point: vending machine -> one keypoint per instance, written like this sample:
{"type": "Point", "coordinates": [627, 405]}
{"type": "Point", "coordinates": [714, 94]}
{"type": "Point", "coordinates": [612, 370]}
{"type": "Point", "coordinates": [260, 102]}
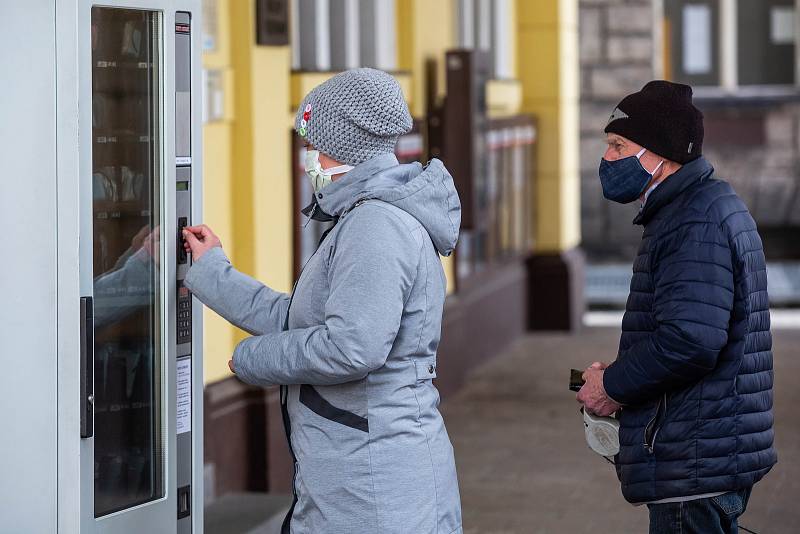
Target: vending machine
{"type": "Point", "coordinates": [117, 443]}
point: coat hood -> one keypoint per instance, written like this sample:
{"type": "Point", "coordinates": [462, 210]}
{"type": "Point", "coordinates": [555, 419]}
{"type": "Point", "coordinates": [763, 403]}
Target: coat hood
{"type": "Point", "coordinates": [427, 193]}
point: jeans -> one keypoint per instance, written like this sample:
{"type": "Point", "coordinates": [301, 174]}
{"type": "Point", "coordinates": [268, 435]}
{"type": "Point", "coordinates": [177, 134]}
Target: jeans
{"type": "Point", "coordinates": [714, 515]}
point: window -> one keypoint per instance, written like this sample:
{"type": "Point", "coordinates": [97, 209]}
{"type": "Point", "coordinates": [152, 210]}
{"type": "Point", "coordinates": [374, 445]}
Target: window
{"type": "Point", "coordinates": [767, 48]}
{"type": "Point", "coordinates": [484, 25]}
{"type": "Point", "coordinates": [731, 43]}
{"type": "Point", "coordinates": [343, 34]}
{"type": "Point", "coordinates": [503, 196]}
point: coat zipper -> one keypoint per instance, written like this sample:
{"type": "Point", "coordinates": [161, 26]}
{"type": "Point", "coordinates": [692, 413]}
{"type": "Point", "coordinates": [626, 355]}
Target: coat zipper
{"type": "Point", "coordinates": [310, 215]}
{"type": "Point", "coordinates": [284, 397]}
{"type": "Point", "coordinates": [284, 394]}
{"type": "Point", "coordinates": [661, 411]}
{"type": "Point", "coordinates": [284, 390]}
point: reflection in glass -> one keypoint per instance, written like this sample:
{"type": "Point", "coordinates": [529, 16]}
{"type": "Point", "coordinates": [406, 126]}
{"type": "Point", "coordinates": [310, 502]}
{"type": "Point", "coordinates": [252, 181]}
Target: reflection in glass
{"type": "Point", "coordinates": [128, 459]}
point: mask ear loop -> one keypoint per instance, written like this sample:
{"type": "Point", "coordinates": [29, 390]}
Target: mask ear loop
{"type": "Point", "coordinates": [339, 169]}
{"type": "Point", "coordinates": [657, 167]}
{"type": "Point", "coordinates": [639, 157]}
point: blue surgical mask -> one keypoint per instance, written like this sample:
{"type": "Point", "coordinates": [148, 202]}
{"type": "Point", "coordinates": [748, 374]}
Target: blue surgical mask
{"type": "Point", "coordinates": [624, 180]}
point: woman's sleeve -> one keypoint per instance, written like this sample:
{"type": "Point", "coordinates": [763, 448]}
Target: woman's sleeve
{"type": "Point", "coordinates": [371, 274]}
{"type": "Point", "coordinates": [124, 290]}
{"type": "Point", "coordinates": [238, 298]}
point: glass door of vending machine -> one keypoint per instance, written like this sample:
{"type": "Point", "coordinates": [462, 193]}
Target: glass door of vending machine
{"type": "Point", "coordinates": [139, 375]}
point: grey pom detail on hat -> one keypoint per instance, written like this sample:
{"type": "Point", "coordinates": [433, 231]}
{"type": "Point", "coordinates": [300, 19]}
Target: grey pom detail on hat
{"type": "Point", "coordinates": [355, 116]}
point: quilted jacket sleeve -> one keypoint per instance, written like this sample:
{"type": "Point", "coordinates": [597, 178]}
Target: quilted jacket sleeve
{"type": "Point", "coordinates": [370, 275]}
{"type": "Point", "coordinates": [238, 298]}
{"type": "Point", "coordinates": [693, 294]}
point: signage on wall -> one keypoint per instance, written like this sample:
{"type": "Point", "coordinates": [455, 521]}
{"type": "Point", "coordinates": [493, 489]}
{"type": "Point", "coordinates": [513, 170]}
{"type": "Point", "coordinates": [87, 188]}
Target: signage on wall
{"type": "Point", "coordinates": [272, 22]}
{"type": "Point", "coordinates": [213, 95]}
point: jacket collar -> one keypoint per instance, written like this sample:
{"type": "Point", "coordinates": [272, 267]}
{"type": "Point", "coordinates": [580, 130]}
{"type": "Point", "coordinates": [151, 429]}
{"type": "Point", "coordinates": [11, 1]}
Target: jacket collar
{"type": "Point", "coordinates": [691, 173]}
{"type": "Point", "coordinates": [337, 197]}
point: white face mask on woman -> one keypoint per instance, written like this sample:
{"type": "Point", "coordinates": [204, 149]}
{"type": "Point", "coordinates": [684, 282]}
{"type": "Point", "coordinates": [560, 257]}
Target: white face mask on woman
{"type": "Point", "coordinates": [321, 177]}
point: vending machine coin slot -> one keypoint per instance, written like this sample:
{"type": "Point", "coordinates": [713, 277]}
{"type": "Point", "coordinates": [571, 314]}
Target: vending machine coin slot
{"type": "Point", "coordinates": [182, 223]}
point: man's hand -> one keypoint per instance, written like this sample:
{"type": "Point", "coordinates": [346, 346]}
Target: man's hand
{"type": "Point", "coordinates": [593, 395]}
{"type": "Point", "coordinates": [199, 239]}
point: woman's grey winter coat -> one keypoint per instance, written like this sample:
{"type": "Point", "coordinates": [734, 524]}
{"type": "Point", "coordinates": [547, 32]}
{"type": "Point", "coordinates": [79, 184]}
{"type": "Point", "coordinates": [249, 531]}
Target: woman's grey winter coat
{"type": "Point", "coordinates": [372, 453]}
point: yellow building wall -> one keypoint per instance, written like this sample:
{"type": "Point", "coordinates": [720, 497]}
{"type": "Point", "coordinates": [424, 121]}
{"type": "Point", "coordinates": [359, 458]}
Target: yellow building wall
{"type": "Point", "coordinates": [217, 190]}
{"type": "Point", "coordinates": [547, 57]}
{"type": "Point", "coordinates": [247, 183]}
{"type": "Point", "coordinates": [425, 30]}
{"type": "Point", "coordinates": [217, 332]}
{"type": "Point", "coordinates": [247, 161]}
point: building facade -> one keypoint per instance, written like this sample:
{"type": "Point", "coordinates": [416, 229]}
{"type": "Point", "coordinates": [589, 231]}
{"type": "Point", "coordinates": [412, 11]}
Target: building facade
{"type": "Point", "coordinates": [741, 58]}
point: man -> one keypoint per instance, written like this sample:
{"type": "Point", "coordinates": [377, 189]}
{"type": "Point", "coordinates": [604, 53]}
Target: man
{"type": "Point", "coordinates": [692, 383]}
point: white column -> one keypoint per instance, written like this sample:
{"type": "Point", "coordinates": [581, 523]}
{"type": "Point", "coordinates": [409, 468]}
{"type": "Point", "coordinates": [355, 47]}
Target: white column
{"type": "Point", "coordinates": [378, 34]}
{"type": "Point", "coordinates": [658, 39]}
{"type": "Point", "coordinates": [501, 49]}
{"type": "Point", "coordinates": [386, 32]}
{"type": "Point", "coordinates": [353, 34]}
{"type": "Point", "coordinates": [728, 65]}
{"type": "Point", "coordinates": [797, 43]}
{"type": "Point", "coordinates": [483, 24]}
{"type": "Point", "coordinates": [313, 31]}
{"type": "Point", "coordinates": [322, 35]}
{"type": "Point", "coordinates": [345, 32]}
{"type": "Point", "coordinates": [294, 36]}
{"type": "Point", "coordinates": [466, 23]}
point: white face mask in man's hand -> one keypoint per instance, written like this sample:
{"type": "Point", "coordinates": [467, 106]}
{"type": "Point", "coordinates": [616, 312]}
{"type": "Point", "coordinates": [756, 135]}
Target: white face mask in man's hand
{"type": "Point", "coordinates": [321, 177]}
{"type": "Point", "coordinates": [602, 434]}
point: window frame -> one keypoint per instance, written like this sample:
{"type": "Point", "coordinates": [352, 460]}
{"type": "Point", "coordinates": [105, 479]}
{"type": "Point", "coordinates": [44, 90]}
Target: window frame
{"type": "Point", "coordinates": [728, 58]}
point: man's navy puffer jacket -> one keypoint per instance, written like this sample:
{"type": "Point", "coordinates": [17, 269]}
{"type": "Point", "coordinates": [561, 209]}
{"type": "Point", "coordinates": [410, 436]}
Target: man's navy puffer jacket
{"type": "Point", "coordinates": [694, 369]}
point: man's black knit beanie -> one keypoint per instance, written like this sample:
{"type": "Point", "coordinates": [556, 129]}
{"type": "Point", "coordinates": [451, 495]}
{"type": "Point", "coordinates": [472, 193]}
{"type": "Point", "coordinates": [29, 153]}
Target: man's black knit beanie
{"type": "Point", "coordinates": [662, 119]}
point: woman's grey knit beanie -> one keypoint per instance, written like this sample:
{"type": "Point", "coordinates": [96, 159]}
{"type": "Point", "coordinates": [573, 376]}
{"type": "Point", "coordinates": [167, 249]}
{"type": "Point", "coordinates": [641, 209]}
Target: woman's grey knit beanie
{"type": "Point", "coordinates": [354, 116]}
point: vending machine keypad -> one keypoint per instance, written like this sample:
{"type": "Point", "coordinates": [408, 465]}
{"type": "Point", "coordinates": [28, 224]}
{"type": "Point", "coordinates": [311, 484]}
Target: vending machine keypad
{"type": "Point", "coordinates": [184, 324]}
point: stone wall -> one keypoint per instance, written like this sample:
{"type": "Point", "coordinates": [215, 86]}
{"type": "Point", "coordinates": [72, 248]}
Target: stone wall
{"type": "Point", "coordinates": [616, 51]}
{"type": "Point", "coordinates": [753, 143]}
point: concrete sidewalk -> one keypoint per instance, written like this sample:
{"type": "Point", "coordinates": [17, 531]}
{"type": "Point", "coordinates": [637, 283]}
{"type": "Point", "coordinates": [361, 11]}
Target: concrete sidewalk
{"type": "Point", "coordinates": [523, 463]}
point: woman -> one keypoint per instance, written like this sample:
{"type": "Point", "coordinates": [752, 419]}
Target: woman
{"type": "Point", "coordinates": [354, 347]}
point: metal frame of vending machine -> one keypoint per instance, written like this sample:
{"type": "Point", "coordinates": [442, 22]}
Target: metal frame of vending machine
{"type": "Point", "coordinates": [129, 340]}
